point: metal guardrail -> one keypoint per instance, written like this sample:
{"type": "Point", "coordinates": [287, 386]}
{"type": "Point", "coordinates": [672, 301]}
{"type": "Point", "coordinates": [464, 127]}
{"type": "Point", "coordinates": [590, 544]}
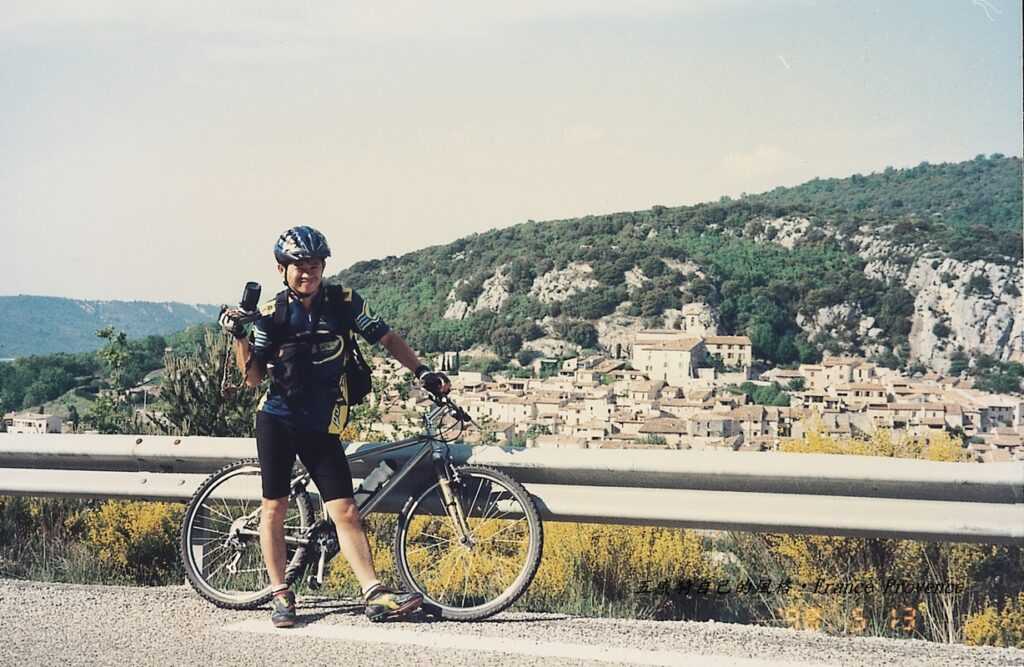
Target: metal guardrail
{"type": "Point", "coordinates": [768, 492]}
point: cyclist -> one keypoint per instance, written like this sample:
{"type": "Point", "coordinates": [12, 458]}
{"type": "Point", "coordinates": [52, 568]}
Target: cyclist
{"type": "Point", "coordinates": [303, 335]}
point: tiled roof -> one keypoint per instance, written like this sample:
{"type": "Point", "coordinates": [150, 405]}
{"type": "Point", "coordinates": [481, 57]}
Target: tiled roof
{"type": "Point", "coordinates": [727, 340]}
{"type": "Point", "coordinates": [664, 425]}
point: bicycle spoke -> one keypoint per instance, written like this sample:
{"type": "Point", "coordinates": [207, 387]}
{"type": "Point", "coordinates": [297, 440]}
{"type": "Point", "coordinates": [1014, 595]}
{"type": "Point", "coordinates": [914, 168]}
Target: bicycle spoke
{"type": "Point", "coordinates": [472, 579]}
{"type": "Point", "coordinates": [451, 573]}
{"type": "Point", "coordinates": [426, 547]}
{"type": "Point", "coordinates": [490, 520]}
{"type": "Point", "coordinates": [222, 553]}
{"type": "Point", "coordinates": [437, 563]}
{"type": "Point", "coordinates": [225, 517]}
{"type": "Point", "coordinates": [479, 488]}
{"type": "Point", "coordinates": [493, 537]}
{"type": "Point", "coordinates": [436, 537]}
{"type": "Point", "coordinates": [465, 586]}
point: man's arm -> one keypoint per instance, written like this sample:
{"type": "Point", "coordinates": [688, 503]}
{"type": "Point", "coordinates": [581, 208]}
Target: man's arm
{"type": "Point", "coordinates": [232, 323]}
{"type": "Point", "coordinates": [253, 370]}
{"type": "Point", "coordinates": [400, 350]}
{"type": "Point", "coordinates": [436, 383]}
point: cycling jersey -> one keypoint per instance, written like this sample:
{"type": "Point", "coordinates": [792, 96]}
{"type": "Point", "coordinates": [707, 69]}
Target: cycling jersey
{"type": "Point", "coordinates": [321, 406]}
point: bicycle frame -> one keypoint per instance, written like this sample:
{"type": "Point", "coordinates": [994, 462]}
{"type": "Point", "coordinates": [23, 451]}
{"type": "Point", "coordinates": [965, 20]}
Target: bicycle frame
{"type": "Point", "coordinates": [429, 446]}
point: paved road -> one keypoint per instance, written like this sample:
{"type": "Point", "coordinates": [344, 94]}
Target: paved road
{"type": "Point", "coordinates": [58, 624]}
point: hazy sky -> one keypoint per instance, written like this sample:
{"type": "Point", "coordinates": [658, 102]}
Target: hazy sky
{"type": "Point", "coordinates": [155, 150]}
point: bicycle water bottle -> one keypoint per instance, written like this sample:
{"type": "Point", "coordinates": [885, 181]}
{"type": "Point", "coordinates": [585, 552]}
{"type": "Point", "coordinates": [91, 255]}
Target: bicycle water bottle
{"type": "Point", "coordinates": [377, 477]}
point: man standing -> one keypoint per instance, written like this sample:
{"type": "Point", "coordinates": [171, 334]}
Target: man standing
{"type": "Point", "coordinates": [304, 338]}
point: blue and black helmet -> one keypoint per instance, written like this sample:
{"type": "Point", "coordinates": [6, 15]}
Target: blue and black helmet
{"type": "Point", "coordinates": [299, 243]}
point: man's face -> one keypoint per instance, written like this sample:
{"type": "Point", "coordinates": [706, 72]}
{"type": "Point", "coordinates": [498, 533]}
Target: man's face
{"type": "Point", "coordinates": [304, 276]}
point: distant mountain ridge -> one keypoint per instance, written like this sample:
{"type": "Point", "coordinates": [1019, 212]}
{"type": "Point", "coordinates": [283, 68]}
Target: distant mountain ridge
{"type": "Point", "coordinates": [46, 324]}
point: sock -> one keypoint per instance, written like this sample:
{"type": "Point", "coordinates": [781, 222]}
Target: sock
{"type": "Point", "coordinates": [370, 586]}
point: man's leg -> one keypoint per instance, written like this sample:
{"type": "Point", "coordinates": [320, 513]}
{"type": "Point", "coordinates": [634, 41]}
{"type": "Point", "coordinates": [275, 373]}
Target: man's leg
{"type": "Point", "coordinates": [352, 539]}
{"type": "Point", "coordinates": [277, 454]}
{"type": "Point", "coordinates": [272, 513]}
{"type": "Point", "coordinates": [282, 604]}
{"type": "Point", "coordinates": [324, 458]}
{"type": "Point", "coordinates": [381, 602]}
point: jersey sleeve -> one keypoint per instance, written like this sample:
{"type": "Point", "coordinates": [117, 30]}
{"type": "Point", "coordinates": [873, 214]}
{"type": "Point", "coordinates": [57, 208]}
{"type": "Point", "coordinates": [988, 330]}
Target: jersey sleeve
{"type": "Point", "coordinates": [261, 342]}
{"type": "Point", "coordinates": [367, 324]}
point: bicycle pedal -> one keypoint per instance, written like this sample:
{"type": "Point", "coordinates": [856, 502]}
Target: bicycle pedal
{"type": "Point", "coordinates": [313, 583]}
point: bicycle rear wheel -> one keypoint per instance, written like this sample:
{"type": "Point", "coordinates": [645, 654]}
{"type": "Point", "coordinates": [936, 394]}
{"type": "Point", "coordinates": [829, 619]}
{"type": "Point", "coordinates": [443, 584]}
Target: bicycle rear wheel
{"type": "Point", "coordinates": [220, 546]}
{"type": "Point", "coordinates": [484, 576]}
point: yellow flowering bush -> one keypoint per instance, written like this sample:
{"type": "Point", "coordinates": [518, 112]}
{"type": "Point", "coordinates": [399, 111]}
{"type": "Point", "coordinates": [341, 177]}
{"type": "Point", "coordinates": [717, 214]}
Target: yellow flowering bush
{"type": "Point", "coordinates": [994, 627]}
{"type": "Point", "coordinates": [605, 569]}
{"type": "Point", "coordinates": [881, 586]}
{"type": "Point", "coordinates": [138, 538]}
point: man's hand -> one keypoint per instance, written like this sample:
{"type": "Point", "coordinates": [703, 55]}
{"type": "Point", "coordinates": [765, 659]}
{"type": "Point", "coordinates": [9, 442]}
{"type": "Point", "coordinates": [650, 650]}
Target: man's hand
{"type": "Point", "coordinates": [231, 321]}
{"type": "Point", "coordinates": [435, 382]}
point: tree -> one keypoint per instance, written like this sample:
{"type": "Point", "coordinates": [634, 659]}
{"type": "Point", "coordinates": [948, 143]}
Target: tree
{"type": "Point", "coordinates": [979, 284]}
{"type": "Point", "coordinates": [530, 330]}
{"type": "Point", "coordinates": [191, 389]}
{"type": "Point", "coordinates": [111, 413]}
{"type": "Point", "coordinates": [73, 417]}
{"type": "Point", "coordinates": [763, 340]}
{"type": "Point", "coordinates": [115, 355]}
{"type": "Point", "coordinates": [526, 357]}
{"type": "Point", "coordinates": [506, 341]}
{"type": "Point", "coordinates": [579, 333]}
{"type": "Point", "coordinates": [958, 363]}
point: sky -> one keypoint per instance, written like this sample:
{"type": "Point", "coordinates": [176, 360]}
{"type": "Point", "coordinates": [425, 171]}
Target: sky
{"type": "Point", "coordinates": [155, 151]}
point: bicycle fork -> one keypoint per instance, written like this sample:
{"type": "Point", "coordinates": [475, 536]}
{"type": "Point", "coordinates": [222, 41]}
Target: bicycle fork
{"type": "Point", "coordinates": [452, 504]}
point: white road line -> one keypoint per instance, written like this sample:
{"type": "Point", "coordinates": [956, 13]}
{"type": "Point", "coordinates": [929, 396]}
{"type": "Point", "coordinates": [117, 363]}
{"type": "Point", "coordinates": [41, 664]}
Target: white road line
{"type": "Point", "coordinates": [523, 647]}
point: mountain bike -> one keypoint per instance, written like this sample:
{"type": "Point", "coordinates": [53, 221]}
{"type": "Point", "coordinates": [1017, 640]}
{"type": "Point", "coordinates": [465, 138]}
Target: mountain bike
{"type": "Point", "coordinates": [468, 538]}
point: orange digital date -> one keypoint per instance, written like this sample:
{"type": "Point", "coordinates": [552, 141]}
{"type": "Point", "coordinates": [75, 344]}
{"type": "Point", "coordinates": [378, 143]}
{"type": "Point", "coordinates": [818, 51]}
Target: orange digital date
{"type": "Point", "coordinates": [903, 619]}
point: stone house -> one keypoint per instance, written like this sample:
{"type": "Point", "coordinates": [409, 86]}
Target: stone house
{"type": "Point", "coordinates": [33, 422]}
{"type": "Point", "coordinates": [671, 361]}
{"type": "Point", "coordinates": [590, 430]}
{"type": "Point", "coordinates": [814, 374]}
{"type": "Point", "coordinates": [752, 421]}
{"type": "Point", "coordinates": [712, 425]}
{"type": "Point", "coordinates": [734, 351]}
{"type": "Point", "coordinates": [862, 393]}
{"type": "Point", "coordinates": [673, 431]}
{"type": "Point", "coordinates": [681, 408]}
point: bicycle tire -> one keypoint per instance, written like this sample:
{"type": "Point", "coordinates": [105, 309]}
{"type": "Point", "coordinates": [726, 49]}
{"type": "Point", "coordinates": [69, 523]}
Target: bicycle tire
{"type": "Point", "coordinates": [419, 543]}
{"type": "Point", "coordinates": [194, 540]}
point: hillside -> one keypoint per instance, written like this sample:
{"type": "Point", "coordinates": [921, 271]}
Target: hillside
{"type": "Point", "coordinates": [907, 266]}
{"type": "Point", "coordinates": [43, 324]}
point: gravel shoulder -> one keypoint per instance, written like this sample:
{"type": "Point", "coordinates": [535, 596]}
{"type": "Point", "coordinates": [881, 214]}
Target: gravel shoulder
{"type": "Point", "coordinates": [46, 623]}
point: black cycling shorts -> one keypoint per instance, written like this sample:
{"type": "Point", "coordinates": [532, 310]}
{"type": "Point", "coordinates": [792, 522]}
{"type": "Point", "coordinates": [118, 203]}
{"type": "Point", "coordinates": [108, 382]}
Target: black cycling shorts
{"type": "Point", "coordinates": [277, 443]}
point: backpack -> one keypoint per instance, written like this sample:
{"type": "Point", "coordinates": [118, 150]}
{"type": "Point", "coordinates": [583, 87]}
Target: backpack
{"type": "Point", "coordinates": [294, 361]}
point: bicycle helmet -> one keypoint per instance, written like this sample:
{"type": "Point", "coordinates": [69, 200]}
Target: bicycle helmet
{"type": "Point", "coordinates": [299, 243]}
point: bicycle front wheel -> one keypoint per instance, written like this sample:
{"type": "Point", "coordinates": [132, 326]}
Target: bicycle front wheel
{"type": "Point", "coordinates": [478, 577]}
{"type": "Point", "coordinates": [220, 545]}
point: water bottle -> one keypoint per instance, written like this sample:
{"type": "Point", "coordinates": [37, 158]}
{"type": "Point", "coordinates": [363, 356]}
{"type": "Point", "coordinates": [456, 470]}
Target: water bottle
{"type": "Point", "coordinates": [377, 477]}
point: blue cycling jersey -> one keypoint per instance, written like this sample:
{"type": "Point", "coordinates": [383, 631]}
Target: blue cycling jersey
{"type": "Point", "coordinates": [321, 406]}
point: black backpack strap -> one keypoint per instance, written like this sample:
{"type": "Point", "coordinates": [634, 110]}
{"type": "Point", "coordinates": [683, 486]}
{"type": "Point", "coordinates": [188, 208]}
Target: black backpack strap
{"type": "Point", "coordinates": [280, 310]}
{"type": "Point", "coordinates": [339, 300]}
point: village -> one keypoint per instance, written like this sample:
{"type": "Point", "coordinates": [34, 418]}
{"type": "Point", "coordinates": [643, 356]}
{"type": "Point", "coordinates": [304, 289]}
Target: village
{"type": "Point", "coordinates": [676, 389]}
{"type": "Point", "coordinates": [679, 389]}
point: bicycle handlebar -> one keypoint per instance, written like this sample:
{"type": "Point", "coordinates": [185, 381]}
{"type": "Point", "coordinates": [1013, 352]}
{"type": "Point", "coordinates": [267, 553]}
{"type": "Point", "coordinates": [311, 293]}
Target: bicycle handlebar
{"type": "Point", "coordinates": [444, 401]}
